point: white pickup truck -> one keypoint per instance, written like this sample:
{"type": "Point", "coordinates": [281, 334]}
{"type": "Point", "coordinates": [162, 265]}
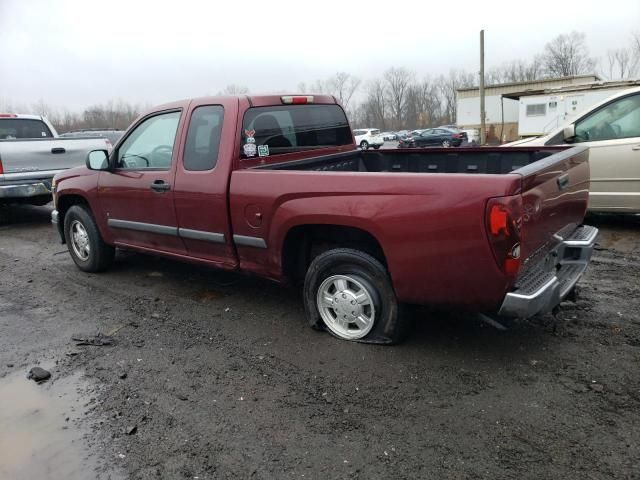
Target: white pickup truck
{"type": "Point", "coordinates": [31, 153]}
{"type": "Point", "coordinates": [611, 130]}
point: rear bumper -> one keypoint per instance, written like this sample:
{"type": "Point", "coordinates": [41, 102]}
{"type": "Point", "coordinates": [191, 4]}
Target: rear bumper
{"type": "Point", "coordinates": [539, 291]}
{"type": "Point", "coordinates": [25, 190]}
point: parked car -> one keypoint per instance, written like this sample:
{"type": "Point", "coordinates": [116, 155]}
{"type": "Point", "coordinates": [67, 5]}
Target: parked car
{"type": "Point", "coordinates": [405, 141]}
{"type": "Point", "coordinates": [389, 136]}
{"type": "Point", "coordinates": [368, 137]}
{"type": "Point", "coordinates": [31, 153]}
{"type": "Point", "coordinates": [611, 130]}
{"type": "Point", "coordinates": [275, 186]}
{"type": "Point", "coordinates": [458, 130]}
{"type": "Point", "coordinates": [433, 137]}
{"type": "Point", "coordinates": [111, 134]}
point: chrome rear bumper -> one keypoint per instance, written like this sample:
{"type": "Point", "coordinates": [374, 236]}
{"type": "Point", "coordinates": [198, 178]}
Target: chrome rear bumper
{"type": "Point", "coordinates": [540, 290]}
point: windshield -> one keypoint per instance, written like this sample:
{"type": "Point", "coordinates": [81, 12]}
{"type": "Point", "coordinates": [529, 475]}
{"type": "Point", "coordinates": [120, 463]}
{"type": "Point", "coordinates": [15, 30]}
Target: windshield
{"type": "Point", "coordinates": [17, 128]}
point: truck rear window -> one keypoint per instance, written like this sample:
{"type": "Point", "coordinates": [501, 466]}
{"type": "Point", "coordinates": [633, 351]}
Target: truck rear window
{"type": "Point", "coordinates": [282, 129]}
{"type": "Point", "coordinates": [16, 128]}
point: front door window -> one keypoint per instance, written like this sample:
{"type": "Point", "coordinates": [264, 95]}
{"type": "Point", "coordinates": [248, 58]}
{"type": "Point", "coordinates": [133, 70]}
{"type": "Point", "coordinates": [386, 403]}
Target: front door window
{"type": "Point", "coordinates": [150, 145]}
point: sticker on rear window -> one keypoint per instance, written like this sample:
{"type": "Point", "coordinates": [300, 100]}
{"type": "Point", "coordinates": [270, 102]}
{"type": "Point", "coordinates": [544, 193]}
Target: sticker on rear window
{"type": "Point", "coordinates": [249, 148]}
{"type": "Point", "coordinates": [263, 150]}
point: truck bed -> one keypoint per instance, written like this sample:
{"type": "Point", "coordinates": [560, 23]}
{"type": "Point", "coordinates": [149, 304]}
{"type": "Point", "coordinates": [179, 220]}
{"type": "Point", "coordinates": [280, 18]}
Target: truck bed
{"type": "Point", "coordinates": [431, 160]}
{"type": "Point", "coordinates": [433, 228]}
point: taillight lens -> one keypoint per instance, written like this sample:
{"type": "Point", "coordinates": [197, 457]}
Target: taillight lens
{"type": "Point", "coordinates": [504, 228]}
{"type": "Point", "coordinates": [456, 135]}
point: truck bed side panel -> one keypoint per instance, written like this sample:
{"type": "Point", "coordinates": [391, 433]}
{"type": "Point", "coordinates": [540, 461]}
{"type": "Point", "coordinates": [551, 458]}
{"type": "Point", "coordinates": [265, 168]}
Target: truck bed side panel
{"type": "Point", "coordinates": [430, 227]}
{"type": "Point", "coordinates": [51, 154]}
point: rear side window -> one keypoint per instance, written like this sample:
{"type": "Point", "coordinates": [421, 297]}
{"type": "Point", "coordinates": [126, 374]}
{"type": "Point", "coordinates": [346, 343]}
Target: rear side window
{"type": "Point", "coordinates": [203, 138]}
{"type": "Point", "coordinates": [15, 128]}
{"type": "Point", "coordinates": [282, 129]}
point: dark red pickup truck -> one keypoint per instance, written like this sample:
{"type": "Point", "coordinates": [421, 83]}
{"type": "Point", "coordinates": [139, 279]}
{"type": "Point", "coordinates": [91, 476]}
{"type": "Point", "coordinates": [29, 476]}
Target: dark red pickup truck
{"type": "Point", "coordinates": [275, 186]}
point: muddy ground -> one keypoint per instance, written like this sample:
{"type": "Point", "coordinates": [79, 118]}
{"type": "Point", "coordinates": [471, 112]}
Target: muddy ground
{"type": "Point", "coordinates": [215, 375]}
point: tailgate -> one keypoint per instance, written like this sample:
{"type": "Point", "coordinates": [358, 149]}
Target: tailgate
{"type": "Point", "coordinates": [34, 155]}
{"type": "Point", "coordinates": [555, 193]}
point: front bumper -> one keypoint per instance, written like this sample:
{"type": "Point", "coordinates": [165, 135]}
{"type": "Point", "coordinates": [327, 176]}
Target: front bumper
{"type": "Point", "coordinates": [541, 290]}
{"type": "Point", "coordinates": [25, 190]}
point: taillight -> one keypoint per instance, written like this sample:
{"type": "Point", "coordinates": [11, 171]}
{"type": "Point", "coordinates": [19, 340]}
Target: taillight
{"type": "Point", "coordinates": [456, 135]}
{"type": "Point", "coordinates": [504, 228]}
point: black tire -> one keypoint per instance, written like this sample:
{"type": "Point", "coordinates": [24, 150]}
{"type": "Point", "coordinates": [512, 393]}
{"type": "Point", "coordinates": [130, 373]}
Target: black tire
{"type": "Point", "coordinates": [364, 145]}
{"type": "Point", "coordinates": [388, 326]}
{"type": "Point", "coordinates": [100, 255]}
{"type": "Point", "coordinates": [377, 147]}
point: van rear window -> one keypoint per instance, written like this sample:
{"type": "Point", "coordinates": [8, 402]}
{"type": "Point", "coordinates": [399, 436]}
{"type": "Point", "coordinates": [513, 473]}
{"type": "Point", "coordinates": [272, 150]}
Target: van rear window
{"type": "Point", "coordinates": [282, 129]}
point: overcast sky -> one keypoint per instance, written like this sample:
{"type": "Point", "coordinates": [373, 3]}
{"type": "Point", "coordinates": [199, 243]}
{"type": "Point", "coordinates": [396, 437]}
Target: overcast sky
{"type": "Point", "coordinates": [72, 53]}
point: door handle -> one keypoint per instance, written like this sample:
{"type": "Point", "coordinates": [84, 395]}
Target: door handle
{"type": "Point", "coordinates": [160, 186]}
{"type": "Point", "coordinates": [636, 147]}
{"type": "Point", "coordinates": [58, 150]}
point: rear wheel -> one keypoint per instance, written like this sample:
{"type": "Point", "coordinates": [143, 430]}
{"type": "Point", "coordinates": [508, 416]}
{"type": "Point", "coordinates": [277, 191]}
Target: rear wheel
{"type": "Point", "coordinates": [364, 145]}
{"type": "Point", "coordinates": [85, 244]}
{"type": "Point", "coordinates": [377, 147]}
{"type": "Point", "coordinates": [349, 293]}
{"type": "Point", "coordinates": [446, 143]}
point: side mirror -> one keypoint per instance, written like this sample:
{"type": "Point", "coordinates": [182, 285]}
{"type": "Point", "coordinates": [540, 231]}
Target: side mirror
{"type": "Point", "coordinates": [569, 133]}
{"type": "Point", "coordinates": [98, 160]}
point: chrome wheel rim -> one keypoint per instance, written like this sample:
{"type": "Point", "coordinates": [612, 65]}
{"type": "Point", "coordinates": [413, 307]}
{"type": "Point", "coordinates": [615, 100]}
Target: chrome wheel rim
{"type": "Point", "coordinates": [80, 240]}
{"type": "Point", "coordinates": [346, 307]}
{"type": "Point", "coordinates": [364, 145]}
{"type": "Point", "coordinates": [446, 143]}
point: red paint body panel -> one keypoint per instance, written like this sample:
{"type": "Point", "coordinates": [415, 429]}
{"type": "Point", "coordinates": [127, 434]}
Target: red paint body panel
{"type": "Point", "coordinates": [431, 226]}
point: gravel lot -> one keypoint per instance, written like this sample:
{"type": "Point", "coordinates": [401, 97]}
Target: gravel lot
{"type": "Point", "coordinates": [216, 375]}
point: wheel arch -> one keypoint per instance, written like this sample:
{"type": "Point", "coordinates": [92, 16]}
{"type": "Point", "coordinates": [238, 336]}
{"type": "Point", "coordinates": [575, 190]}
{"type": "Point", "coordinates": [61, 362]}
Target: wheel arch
{"type": "Point", "coordinates": [304, 242]}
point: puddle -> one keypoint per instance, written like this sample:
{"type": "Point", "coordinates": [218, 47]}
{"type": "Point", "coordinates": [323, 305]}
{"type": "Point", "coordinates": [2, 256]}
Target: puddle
{"type": "Point", "coordinates": [36, 439]}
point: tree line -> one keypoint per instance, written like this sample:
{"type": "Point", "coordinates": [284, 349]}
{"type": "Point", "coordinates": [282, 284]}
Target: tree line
{"type": "Point", "coordinates": [398, 99]}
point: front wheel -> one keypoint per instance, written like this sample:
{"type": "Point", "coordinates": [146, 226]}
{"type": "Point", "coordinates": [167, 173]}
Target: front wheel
{"type": "Point", "coordinates": [349, 293]}
{"type": "Point", "coordinates": [364, 145]}
{"type": "Point", "coordinates": [85, 244]}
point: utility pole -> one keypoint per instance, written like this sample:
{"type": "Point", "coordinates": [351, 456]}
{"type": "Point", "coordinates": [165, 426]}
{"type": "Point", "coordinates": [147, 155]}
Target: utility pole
{"type": "Point", "coordinates": [483, 127]}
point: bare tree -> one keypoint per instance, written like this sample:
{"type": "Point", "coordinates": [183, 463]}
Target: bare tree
{"type": "Point", "coordinates": [448, 87]}
{"type": "Point", "coordinates": [567, 55]}
{"type": "Point", "coordinates": [343, 85]}
{"type": "Point", "coordinates": [515, 71]}
{"type": "Point", "coordinates": [374, 109]}
{"type": "Point", "coordinates": [623, 63]}
{"type": "Point", "coordinates": [397, 82]}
